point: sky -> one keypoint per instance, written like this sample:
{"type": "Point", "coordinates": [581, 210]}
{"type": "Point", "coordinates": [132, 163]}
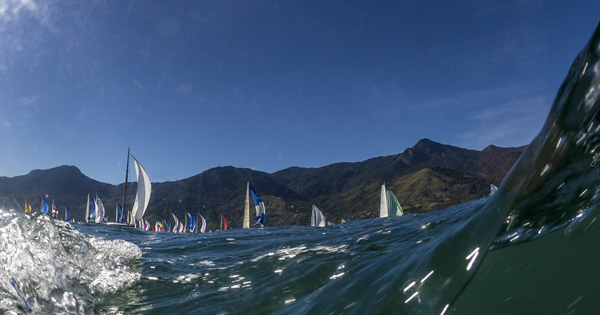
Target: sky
{"type": "Point", "coordinates": [267, 85]}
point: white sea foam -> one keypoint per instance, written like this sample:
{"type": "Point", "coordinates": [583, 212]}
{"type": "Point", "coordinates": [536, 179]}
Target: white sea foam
{"type": "Point", "coordinates": [49, 267]}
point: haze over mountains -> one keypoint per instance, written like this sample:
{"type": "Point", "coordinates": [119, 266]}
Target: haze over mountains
{"type": "Point", "coordinates": [427, 177]}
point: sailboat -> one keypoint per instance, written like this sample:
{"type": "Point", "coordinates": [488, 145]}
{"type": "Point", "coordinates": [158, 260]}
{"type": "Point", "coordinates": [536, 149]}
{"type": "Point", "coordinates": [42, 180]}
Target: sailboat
{"type": "Point", "coordinates": [176, 224]}
{"type": "Point", "coordinates": [192, 226]}
{"type": "Point", "coordinates": [27, 206]}
{"type": "Point", "coordinates": [67, 214]}
{"type": "Point", "coordinates": [45, 207]}
{"type": "Point", "coordinates": [99, 210]}
{"type": "Point", "coordinates": [317, 218]}
{"type": "Point", "coordinates": [144, 189]}
{"type": "Point", "coordinates": [142, 196]}
{"type": "Point", "coordinates": [54, 214]}
{"type": "Point", "coordinates": [389, 205]}
{"type": "Point", "coordinates": [203, 228]}
{"type": "Point", "coordinates": [493, 190]}
{"type": "Point", "coordinates": [120, 218]}
{"type": "Point", "coordinates": [246, 223]}
{"type": "Point", "coordinates": [223, 225]}
{"type": "Point", "coordinates": [260, 208]}
{"type": "Point", "coordinates": [91, 215]}
{"type": "Point", "coordinates": [87, 210]}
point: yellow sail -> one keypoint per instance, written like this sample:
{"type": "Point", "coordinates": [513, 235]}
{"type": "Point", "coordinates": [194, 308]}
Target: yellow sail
{"type": "Point", "coordinates": [27, 206]}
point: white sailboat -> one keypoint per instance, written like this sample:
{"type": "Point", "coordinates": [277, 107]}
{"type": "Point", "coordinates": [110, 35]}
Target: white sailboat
{"type": "Point", "coordinates": [99, 210]}
{"type": "Point", "coordinates": [493, 190]}
{"type": "Point", "coordinates": [144, 189]}
{"type": "Point", "coordinates": [142, 196]}
{"type": "Point", "coordinates": [246, 223]}
{"type": "Point", "coordinates": [203, 228]}
{"type": "Point", "coordinates": [175, 228]}
{"type": "Point", "coordinates": [317, 218]}
{"type": "Point", "coordinates": [389, 205]}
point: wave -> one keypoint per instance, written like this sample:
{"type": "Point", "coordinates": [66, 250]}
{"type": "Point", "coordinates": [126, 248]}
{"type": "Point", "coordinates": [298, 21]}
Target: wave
{"type": "Point", "coordinates": [50, 267]}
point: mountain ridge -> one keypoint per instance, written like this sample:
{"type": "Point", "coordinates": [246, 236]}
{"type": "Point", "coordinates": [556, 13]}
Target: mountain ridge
{"type": "Point", "coordinates": [426, 177]}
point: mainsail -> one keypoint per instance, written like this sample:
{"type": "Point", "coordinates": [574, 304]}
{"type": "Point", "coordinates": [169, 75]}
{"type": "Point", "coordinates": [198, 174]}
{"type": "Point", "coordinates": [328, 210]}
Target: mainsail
{"type": "Point", "coordinates": [192, 225]}
{"type": "Point", "coordinates": [317, 218]}
{"type": "Point", "coordinates": [260, 208]}
{"type": "Point", "coordinates": [142, 198]}
{"type": "Point", "coordinates": [45, 206]}
{"type": "Point", "coordinates": [246, 223]}
{"type": "Point", "coordinates": [27, 206]}
{"type": "Point", "coordinates": [99, 210]}
{"type": "Point", "coordinates": [67, 214]}
{"type": "Point", "coordinates": [92, 215]}
{"type": "Point", "coordinates": [176, 224]}
{"type": "Point", "coordinates": [493, 190]}
{"type": "Point", "coordinates": [223, 223]}
{"type": "Point", "coordinates": [389, 205]}
{"type": "Point", "coordinates": [87, 210]}
{"type": "Point", "coordinates": [203, 228]}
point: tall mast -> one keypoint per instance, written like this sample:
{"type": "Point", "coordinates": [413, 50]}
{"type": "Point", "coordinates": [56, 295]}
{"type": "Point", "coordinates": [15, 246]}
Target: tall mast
{"type": "Point", "coordinates": [126, 174]}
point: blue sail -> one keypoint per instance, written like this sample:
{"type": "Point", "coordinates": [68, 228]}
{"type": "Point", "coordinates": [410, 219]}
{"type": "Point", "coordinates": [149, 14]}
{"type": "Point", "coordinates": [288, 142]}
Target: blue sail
{"type": "Point", "coordinates": [192, 222]}
{"type": "Point", "coordinates": [45, 206]}
{"type": "Point", "coordinates": [67, 214]}
{"type": "Point", "coordinates": [92, 214]}
{"type": "Point", "coordinates": [121, 218]}
{"type": "Point", "coordinates": [260, 208]}
{"type": "Point", "coordinates": [166, 226]}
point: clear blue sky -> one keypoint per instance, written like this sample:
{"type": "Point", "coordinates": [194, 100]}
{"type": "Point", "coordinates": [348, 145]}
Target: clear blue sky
{"type": "Point", "coordinates": [191, 85]}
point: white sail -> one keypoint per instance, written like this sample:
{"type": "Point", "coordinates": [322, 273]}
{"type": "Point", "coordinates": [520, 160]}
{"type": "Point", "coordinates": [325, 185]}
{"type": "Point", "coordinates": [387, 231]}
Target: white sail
{"type": "Point", "coordinates": [87, 210]}
{"type": "Point", "coordinates": [144, 189]}
{"type": "Point", "coordinates": [317, 218]}
{"type": "Point", "coordinates": [175, 228]}
{"type": "Point", "coordinates": [203, 228]}
{"type": "Point", "coordinates": [181, 228]}
{"type": "Point", "coordinates": [493, 190]}
{"type": "Point", "coordinates": [99, 210]}
{"type": "Point", "coordinates": [246, 223]}
{"type": "Point", "coordinates": [383, 208]}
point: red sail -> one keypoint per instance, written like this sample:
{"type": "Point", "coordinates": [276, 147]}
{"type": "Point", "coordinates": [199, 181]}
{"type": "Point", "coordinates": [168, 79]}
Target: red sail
{"type": "Point", "coordinates": [224, 223]}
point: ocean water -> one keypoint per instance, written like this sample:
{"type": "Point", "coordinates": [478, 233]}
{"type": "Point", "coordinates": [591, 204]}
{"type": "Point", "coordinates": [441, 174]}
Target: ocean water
{"type": "Point", "coordinates": [530, 249]}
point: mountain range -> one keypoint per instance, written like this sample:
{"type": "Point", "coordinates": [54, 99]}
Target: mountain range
{"type": "Point", "coordinates": [427, 177]}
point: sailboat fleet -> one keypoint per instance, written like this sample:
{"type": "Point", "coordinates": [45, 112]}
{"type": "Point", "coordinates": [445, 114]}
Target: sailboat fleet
{"type": "Point", "coordinates": [95, 211]}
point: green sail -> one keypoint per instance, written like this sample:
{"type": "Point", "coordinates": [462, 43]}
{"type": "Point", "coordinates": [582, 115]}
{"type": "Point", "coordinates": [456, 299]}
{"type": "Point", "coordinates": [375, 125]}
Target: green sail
{"type": "Point", "coordinates": [394, 208]}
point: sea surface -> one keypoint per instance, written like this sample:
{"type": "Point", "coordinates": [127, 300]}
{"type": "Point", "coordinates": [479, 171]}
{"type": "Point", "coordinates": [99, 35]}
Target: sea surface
{"type": "Point", "coordinates": [532, 248]}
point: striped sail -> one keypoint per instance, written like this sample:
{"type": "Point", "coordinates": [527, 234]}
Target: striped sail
{"type": "Point", "coordinates": [260, 208]}
{"type": "Point", "coordinates": [142, 198]}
